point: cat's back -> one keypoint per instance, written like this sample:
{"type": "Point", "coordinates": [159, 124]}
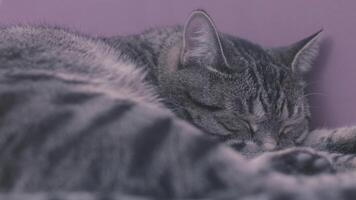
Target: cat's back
{"type": "Point", "coordinates": [40, 45]}
{"type": "Point", "coordinates": [76, 115]}
{"type": "Point", "coordinates": [62, 52]}
{"type": "Point", "coordinates": [63, 94]}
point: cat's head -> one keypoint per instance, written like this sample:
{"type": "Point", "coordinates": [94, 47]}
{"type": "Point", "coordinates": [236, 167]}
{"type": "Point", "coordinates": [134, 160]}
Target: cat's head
{"type": "Point", "coordinates": [240, 92]}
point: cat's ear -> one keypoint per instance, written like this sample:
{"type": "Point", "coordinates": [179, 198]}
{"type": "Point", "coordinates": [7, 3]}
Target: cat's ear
{"type": "Point", "coordinates": [201, 42]}
{"type": "Point", "coordinates": [301, 55]}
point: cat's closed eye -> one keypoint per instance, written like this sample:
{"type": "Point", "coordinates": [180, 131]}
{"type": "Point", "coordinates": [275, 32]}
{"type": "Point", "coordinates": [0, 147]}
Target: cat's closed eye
{"type": "Point", "coordinates": [236, 126]}
{"type": "Point", "coordinates": [249, 127]}
{"type": "Point", "coordinates": [285, 130]}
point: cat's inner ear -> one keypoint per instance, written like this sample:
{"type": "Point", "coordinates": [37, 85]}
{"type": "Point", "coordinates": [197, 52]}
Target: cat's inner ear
{"type": "Point", "coordinates": [300, 55]}
{"type": "Point", "coordinates": [201, 43]}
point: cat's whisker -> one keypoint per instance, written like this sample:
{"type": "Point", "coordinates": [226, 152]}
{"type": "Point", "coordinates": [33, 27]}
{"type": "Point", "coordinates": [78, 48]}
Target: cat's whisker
{"type": "Point", "coordinates": [312, 94]}
{"type": "Point", "coordinates": [310, 83]}
{"type": "Point", "coordinates": [315, 93]}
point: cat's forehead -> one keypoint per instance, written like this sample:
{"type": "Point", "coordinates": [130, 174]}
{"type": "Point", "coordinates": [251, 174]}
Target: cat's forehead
{"type": "Point", "coordinates": [267, 89]}
{"type": "Point", "coordinates": [270, 81]}
{"type": "Point", "coordinates": [261, 70]}
{"type": "Point", "coordinates": [243, 52]}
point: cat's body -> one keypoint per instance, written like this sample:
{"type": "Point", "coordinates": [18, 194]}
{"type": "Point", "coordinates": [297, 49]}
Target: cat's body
{"type": "Point", "coordinates": [89, 143]}
{"type": "Point", "coordinates": [67, 127]}
{"type": "Point", "coordinates": [88, 114]}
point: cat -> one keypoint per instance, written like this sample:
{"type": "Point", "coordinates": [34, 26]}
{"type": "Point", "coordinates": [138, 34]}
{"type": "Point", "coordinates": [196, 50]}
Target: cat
{"type": "Point", "coordinates": [251, 98]}
{"type": "Point", "coordinates": [99, 115]}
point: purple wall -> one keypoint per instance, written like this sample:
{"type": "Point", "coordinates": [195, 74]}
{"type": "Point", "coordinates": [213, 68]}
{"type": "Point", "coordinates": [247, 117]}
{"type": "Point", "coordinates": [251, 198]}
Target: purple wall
{"type": "Point", "coordinates": [269, 22]}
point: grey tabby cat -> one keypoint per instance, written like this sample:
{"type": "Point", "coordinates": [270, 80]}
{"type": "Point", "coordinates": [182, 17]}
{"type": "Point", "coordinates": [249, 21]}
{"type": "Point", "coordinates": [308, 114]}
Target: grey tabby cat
{"type": "Point", "coordinates": [82, 114]}
{"type": "Point", "coordinates": [247, 96]}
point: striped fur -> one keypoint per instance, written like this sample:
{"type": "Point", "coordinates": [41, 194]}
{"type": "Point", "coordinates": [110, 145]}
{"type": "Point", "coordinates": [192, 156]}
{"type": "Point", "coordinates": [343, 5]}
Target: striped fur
{"type": "Point", "coordinates": [107, 143]}
{"type": "Point", "coordinates": [243, 94]}
{"type": "Point", "coordinates": [247, 96]}
{"type": "Point", "coordinates": [91, 116]}
{"type": "Point", "coordinates": [117, 146]}
{"type": "Point", "coordinates": [251, 98]}
{"type": "Point", "coordinates": [340, 144]}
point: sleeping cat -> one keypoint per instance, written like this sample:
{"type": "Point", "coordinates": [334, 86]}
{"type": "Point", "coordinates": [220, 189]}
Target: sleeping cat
{"type": "Point", "coordinates": [250, 97]}
{"type": "Point", "coordinates": [93, 114]}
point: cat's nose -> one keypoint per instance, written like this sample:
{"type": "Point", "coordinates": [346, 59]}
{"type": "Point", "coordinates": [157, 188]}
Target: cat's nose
{"type": "Point", "coordinates": [269, 144]}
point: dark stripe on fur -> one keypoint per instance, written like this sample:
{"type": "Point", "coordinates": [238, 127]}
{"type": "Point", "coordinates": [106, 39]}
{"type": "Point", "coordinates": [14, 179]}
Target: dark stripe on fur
{"type": "Point", "coordinates": [238, 146]}
{"type": "Point", "coordinates": [147, 143]}
{"type": "Point", "coordinates": [21, 77]}
{"type": "Point", "coordinates": [211, 108]}
{"type": "Point", "coordinates": [74, 98]}
{"type": "Point", "coordinates": [29, 77]}
{"type": "Point", "coordinates": [200, 147]}
{"type": "Point", "coordinates": [38, 133]}
{"type": "Point", "coordinates": [114, 114]}
{"type": "Point", "coordinates": [9, 101]}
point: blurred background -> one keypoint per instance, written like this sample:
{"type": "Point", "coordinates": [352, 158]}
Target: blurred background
{"type": "Point", "coordinates": [332, 84]}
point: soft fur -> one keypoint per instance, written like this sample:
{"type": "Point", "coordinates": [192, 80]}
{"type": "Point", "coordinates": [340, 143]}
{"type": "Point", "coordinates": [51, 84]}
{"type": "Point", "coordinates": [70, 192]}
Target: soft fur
{"type": "Point", "coordinates": [82, 116]}
{"type": "Point", "coordinates": [248, 96]}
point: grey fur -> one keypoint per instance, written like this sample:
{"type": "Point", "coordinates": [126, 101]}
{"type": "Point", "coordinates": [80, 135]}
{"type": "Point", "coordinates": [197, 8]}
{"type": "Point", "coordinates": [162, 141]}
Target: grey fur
{"type": "Point", "coordinates": [64, 52]}
{"type": "Point", "coordinates": [248, 96]}
{"type": "Point", "coordinates": [242, 87]}
{"type": "Point", "coordinates": [88, 114]}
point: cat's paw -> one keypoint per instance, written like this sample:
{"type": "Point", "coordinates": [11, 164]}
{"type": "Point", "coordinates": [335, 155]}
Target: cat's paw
{"type": "Point", "coordinates": [339, 140]}
{"type": "Point", "coordinates": [302, 161]}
